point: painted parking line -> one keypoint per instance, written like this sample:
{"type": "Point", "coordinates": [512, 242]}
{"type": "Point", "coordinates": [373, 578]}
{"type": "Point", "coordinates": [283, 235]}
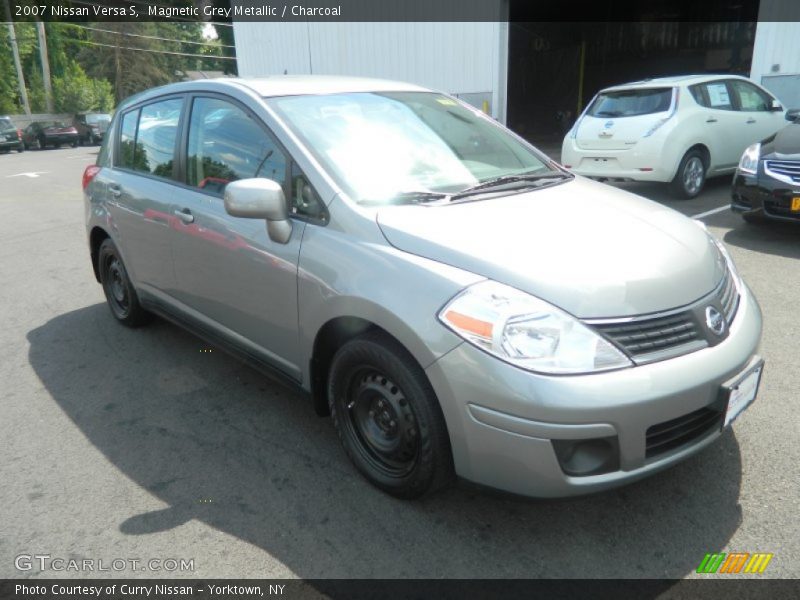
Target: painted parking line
{"type": "Point", "coordinates": [713, 211]}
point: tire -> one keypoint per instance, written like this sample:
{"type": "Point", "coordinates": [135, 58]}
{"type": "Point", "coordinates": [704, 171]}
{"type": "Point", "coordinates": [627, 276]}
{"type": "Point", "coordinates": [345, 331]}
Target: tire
{"type": "Point", "coordinates": [92, 139]}
{"type": "Point", "coordinates": [21, 148]}
{"type": "Point", "coordinates": [75, 144]}
{"type": "Point", "coordinates": [40, 144]}
{"type": "Point", "coordinates": [691, 176]}
{"type": "Point", "coordinates": [117, 287]}
{"type": "Point", "coordinates": [388, 418]}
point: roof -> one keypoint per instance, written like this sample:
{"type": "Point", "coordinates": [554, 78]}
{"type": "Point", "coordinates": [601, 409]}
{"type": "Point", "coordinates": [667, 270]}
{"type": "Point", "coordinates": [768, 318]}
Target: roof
{"type": "Point", "coordinates": [293, 85]}
{"type": "Point", "coordinates": [674, 80]}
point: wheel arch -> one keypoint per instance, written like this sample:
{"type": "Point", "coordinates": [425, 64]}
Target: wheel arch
{"type": "Point", "coordinates": [96, 237]}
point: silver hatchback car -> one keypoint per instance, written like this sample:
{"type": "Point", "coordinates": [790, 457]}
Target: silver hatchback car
{"type": "Point", "coordinates": [456, 301]}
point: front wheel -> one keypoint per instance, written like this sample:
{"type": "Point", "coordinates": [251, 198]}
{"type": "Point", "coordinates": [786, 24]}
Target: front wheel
{"type": "Point", "coordinates": [75, 144]}
{"type": "Point", "coordinates": [117, 287]}
{"type": "Point", "coordinates": [388, 418]}
{"type": "Point", "coordinates": [691, 175]}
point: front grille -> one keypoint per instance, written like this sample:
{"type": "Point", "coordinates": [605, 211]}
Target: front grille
{"type": "Point", "coordinates": [669, 435]}
{"type": "Point", "coordinates": [728, 296]}
{"type": "Point", "coordinates": [651, 338]}
{"type": "Point", "coordinates": [652, 335]}
{"type": "Point", "coordinates": [783, 169]}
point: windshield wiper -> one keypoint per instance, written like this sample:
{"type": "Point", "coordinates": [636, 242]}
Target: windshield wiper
{"type": "Point", "coordinates": [531, 178]}
{"type": "Point", "coordinates": [410, 197]}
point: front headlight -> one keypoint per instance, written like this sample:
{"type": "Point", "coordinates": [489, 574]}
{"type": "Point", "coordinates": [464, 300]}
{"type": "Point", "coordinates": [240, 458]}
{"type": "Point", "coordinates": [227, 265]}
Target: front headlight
{"type": "Point", "coordinates": [528, 332]}
{"type": "Point", "coordinates": [749, 161]}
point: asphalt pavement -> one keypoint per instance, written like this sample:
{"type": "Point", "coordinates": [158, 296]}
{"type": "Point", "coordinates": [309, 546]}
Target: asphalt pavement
{"type": "Point", "coordinates": [119, 444]}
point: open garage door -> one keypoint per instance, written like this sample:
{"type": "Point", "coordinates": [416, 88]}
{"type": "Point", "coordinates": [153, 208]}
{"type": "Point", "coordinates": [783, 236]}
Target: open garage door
{"type": "Point", "coordinates": [554, 69]}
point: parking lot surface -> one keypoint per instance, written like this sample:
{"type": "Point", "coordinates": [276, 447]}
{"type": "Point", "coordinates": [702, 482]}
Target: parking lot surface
{"type": "Point", "coordinates": [149, 444]}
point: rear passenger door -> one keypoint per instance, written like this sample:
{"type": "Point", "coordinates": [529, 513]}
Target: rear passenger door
{"type": "Point", "coordinates": [139, 189]}
{"type": "Point", "coordinates": [721, 123]}
{"type": "Point", "coordinates": [228, 270]}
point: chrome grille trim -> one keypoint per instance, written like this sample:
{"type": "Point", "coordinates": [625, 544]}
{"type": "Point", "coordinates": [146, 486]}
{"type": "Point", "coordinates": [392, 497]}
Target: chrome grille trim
{"type": "Point", "coordinates": [783, 170]}
{"type": "Point", "coordinates": [658, 336]}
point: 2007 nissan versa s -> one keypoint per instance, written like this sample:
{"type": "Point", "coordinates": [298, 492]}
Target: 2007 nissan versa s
{"type": "Point", "coordinates": [459, 303]}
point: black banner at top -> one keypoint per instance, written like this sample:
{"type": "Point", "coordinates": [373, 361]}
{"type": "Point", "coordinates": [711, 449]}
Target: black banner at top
{"type": "Point", "coordinates": [226, 11]}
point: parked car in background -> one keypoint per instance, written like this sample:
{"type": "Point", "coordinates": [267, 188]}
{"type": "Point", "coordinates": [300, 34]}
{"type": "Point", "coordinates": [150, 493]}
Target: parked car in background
{"type": "Point", "coordinates": [41, 134]}
{"type": "Point", "coordinates": [10, 136]}
{"type": "Point", "coordinates": [91, 127]}
{"type": "Point", "coordinates": [454, 299]}
{"type": "Point", "coordinates": [677, 130]}
{"type": "Point", "coordinates": [767, 181]}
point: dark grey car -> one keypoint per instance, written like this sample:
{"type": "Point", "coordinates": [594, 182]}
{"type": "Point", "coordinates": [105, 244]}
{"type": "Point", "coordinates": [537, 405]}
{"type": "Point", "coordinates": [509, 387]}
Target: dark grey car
{"type": "Point", "coordinates": [459, 303]}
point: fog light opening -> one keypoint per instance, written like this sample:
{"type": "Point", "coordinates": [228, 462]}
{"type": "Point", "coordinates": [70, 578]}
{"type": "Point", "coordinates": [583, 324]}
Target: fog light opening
{"type": "Point", "coordinates": [580, 458]}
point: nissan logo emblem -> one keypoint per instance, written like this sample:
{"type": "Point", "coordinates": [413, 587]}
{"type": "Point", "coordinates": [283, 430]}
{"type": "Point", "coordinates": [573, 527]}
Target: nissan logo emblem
{"type": "Point", "coordinates": [715, 320]}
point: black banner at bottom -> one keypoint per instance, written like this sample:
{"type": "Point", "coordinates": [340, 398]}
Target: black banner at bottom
{"type": "Point", "coordinates": [390, 589]}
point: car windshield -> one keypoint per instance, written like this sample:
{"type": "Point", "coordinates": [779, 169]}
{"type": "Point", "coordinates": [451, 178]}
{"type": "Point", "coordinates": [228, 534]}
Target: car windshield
{"type": "Point", "coordinates": [94, 119]}
{"type": "Point", "coordinates": [631, 103]}
{"type": "Point", "coordinates": [6, 123]}
{"type": "Point", "coordinates": [381, 146]}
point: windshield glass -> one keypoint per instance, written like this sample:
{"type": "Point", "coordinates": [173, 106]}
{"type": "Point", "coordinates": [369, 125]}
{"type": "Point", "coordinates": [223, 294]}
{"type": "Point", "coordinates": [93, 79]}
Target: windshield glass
{"type": "Point", "coordinates": [6, 123]}
{"type": "Point", "coordinates": [631, 103]}
{"type": "Point", "coordinates": [382, 145]}
{"type": "Point", "coordinates": [94, 119]}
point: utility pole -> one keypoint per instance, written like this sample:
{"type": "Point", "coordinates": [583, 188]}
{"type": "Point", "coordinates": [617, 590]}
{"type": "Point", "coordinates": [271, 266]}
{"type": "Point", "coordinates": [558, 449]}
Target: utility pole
{"type": "Point", "coordinates": [12, 36]}
{"type": "Point", "coordinates": [48, 87]}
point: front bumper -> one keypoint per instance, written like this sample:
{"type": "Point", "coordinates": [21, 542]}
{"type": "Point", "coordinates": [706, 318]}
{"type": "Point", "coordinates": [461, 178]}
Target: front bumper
{"type": "Point", "coordinates": [623, 165]}
{"type": "Point", "coordinates": [15, 143]}
{"type": "Point", "coordinates": [503, 421]}
{"type": "Point", "coordinates": [764, 196]}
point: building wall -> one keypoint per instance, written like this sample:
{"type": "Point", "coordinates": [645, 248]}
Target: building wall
{"type": "Point", "coordinates": [776, 53]}
{"type": "Point", "coordinates": [464, 59]}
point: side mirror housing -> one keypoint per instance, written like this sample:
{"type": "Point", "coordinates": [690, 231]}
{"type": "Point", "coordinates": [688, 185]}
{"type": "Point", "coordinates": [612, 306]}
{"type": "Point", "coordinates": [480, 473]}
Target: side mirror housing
{"type": "Point", "coordinates": [260, 198]}
{"type": "Point", "coordinates": [793, 115]}
{"type": "Point", "coordinates": [775, 106]}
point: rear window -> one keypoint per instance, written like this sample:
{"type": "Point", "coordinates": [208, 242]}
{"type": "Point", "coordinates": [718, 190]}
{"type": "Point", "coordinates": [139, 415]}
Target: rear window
{"type": "Point", "coordinates": [631, 103]}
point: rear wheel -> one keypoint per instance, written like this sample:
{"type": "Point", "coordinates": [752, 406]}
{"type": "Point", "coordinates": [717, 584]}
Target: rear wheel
{"type": "Point", "coordinates": [40, 144]}
{"type": "Point", "coordinates": [75, 144]}
{"type": "Point", "coordinates": [120, 293]}
{"type": "Point", "coordinates": [388, 418]}
{"type": "Point", "coordinates": [691, 175]}
{"type": "Point", "coordinates": [21, 148]}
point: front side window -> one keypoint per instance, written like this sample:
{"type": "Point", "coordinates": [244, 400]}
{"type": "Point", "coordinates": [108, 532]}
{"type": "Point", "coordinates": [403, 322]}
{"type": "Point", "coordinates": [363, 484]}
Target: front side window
{"type": "Point", "coordinates": [631, 102]}
{"type": "Point", "coordinates": [750, 97]}
{"type": "Point", "coordinates": [226, 144]}
{"type": "Point", "coordinates": [381, 145]}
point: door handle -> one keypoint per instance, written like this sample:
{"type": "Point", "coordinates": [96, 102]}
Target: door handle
{"type": "Point", "coordinates": [711, 120]}
{"type": "Point", "coordinates": [750, 120]}
{"type": "Point", "coordinates": [185, 215]}
{"type": "Point", "coordinates": [115, 190]}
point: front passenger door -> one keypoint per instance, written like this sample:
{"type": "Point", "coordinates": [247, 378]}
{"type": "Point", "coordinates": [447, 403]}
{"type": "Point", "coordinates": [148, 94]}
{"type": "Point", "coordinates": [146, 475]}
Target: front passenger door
{"type": "Point", "coordinates": [227, 269]}
{"type": "Point", "coordinates": [755, 105]}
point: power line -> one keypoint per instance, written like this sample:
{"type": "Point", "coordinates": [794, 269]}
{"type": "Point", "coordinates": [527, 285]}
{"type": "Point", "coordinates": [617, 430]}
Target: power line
{"type": "Point", "coordinates": [152, 51]}
{"type": "Point", "coordinates": [150, 37]}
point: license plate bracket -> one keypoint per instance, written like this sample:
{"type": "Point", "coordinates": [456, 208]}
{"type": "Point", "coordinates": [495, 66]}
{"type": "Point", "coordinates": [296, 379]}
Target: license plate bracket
{"type": "Point", "coordinates": [740, 391]}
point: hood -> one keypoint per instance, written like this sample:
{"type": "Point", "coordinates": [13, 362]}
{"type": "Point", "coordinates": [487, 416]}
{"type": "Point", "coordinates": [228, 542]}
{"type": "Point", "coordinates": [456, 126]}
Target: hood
{"type": "Point", "coordinates": [784, 145]}
{"type": "Point", "coordinates": [590, 249]}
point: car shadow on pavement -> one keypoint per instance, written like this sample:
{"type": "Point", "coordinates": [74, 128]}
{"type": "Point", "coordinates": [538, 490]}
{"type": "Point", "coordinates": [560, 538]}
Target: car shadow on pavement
{"type": "Point", "coordinates": [770, 237]}
{"type": "Point", "coordinates": [220, 443]}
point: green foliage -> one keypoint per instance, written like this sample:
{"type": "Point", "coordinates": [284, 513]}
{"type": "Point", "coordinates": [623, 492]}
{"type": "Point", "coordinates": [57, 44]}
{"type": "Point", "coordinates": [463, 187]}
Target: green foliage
{"type": "Point", "coordinates": [93, 70]}
{"type": "Point", "coordinates": [75, 92]}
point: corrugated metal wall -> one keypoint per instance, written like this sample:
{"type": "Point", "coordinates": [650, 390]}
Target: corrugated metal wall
{"type": "Point", "coordinates": [459, 58]}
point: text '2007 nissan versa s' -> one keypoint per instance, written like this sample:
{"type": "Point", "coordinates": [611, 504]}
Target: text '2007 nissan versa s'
{"type": "Point", "coordinates": [458, 303]}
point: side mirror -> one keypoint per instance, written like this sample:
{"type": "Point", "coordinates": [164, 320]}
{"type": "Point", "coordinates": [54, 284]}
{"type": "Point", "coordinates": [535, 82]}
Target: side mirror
{"type": "Point", "coordinates": [793, 115]}
{"type": "Point", "coordinates": [775, 106]}
{"type": "Point", "coordinates": [260, 199]}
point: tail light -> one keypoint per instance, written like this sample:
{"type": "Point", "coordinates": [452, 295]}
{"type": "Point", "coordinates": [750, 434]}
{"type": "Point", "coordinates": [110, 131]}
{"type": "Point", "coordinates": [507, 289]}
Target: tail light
{"type": "Point", "coordinates": [89, 174]}
{"type": "Point", "coordinates": [19, 134]}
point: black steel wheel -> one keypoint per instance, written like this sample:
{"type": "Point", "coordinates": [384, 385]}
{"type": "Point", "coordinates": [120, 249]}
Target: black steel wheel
{"type": "Point", "coordinates": [388, 418]}
{"type": "Point", "coordinates": [117, 287]}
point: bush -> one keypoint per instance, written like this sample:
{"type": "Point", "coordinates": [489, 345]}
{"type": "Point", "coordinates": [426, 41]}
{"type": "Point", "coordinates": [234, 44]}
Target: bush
{"type": "Point", "coordinates": [75, 92]}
